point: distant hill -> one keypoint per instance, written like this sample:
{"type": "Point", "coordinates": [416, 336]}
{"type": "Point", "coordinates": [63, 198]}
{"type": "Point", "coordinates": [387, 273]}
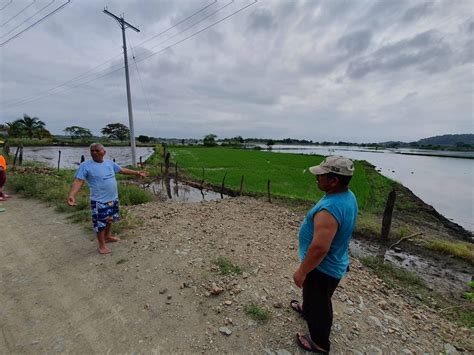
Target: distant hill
{"type": "Point", "coordinates": [448, 140]}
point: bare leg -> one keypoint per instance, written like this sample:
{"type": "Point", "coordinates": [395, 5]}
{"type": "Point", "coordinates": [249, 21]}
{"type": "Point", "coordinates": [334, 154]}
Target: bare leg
{"type": "Point", "coordinates": [108, 234]}
{"type": "Point", "coordinates": [101, 239]}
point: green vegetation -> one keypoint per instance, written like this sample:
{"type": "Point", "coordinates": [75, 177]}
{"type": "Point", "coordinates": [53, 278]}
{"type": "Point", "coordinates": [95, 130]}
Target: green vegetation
{"type": "Point", "coordinates": [226, 267]}
{"type": "Point", "coordinates": [469, 295]}
{"type": "Point", "coordinates": [52, 186]}
{"type": "Point", "coordinates": [288, 174]}
{"type": "Point", "coordinates": [463, 250]}
{"type": "Point", "coordinates": [257, 313]}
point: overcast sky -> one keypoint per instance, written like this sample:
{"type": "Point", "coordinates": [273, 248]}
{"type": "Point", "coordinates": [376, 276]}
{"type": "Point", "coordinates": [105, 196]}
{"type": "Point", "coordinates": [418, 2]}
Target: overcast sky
{"type": "Point", "coordinates": [359, 71]}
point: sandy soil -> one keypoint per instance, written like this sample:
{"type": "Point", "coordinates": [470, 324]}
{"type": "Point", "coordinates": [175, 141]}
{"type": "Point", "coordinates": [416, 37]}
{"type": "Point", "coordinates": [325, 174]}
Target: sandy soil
{"type": "Point", "coordinates": [159, 291]}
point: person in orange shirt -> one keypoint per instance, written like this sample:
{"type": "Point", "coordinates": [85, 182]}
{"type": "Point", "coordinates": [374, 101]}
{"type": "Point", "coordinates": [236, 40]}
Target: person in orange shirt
{"type": "Point", "coordinates": [3, 177]}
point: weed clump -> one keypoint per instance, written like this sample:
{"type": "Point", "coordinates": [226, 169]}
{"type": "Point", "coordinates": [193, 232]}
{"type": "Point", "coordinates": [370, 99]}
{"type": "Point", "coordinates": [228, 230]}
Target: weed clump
{"type": "Point", "coordinates": [258, 313]}
{"type": "Point", "coordinates": [226, 267]}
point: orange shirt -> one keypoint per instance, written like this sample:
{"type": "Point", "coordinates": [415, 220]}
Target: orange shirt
{"type": "Point", "coordinates": [3, 162]}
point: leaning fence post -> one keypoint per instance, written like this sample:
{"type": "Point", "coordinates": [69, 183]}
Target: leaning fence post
{"type": "Point", "coordinates": [241, 185]}
{"type": "Point", "coordinates": [59, 159]}
{"type": "Point", "coordinates": [387, 216]}
{"type": "Point", "coordinates": [386, 223]}
{"type": "Point", "coordinates": [268, 189]}
{"type": "Point", "coordinates": [222, 187]}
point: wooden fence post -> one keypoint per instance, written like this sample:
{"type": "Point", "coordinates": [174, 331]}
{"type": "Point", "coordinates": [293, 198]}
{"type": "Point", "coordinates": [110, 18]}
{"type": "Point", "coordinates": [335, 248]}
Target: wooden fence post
{"type": "Point", "coordinates": [141, 163]}
{"type": "Point", "coordinates": [59, 159]}
{"type": "Point", "coordinates": [222, 187]}
{"type": "Point", "coordinates": [269, 194]}
{"type": "Point", "coordinates": [167, 163]}
{"type": "Point", "coordinates": [16, 155]}
{"type": "Point", "coordinates": [20, 157]}
{"type": "Point", "coordinates": [83, 159]}
{"type": "Point", "coordinates": [386, 223]}
{"type": "Point", "coordinates": [387, 216]}
{"type": "Point", "coordinates": [176, 173]}
{"type": "Point", "coordinates": [241, 185]}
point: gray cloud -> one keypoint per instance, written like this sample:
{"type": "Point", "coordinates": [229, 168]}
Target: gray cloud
{"type": "Point", "coordinates": [426, 51]}
{"type": "Point", "coordinates": [355, 42]}
{"type": "Point", "coordinates": [277, 69]}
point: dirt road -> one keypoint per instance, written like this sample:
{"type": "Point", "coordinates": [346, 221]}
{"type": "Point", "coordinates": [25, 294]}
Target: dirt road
{"type": "Point", "coordinates": [160, 292]}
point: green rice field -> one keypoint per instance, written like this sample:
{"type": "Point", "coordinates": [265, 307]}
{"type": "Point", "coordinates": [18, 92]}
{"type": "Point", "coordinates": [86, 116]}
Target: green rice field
{"type": "Point", "coordinates": [288, 174]}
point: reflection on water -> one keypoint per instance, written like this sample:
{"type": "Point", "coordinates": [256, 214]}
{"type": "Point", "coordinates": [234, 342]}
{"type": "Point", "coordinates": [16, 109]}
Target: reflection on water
{"type": "Point", "coordinates": [179, 192]}
{"type": "Point", "coordinates": [445, 183]}
{"type": "Point", "coordinates": [71, 156]}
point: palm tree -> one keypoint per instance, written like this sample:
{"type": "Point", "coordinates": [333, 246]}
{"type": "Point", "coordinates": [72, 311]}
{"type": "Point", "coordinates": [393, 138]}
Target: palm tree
{"type": "Point", "coordinates": [31, 126]}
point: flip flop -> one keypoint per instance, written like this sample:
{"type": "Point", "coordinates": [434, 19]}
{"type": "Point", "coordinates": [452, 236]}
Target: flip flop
{"type": "Point", "coordinates": [295, 305]}
{"type": "Point", "coordinates": [312, 346]}
{"type": "Point", "coordinates": [2, 209]}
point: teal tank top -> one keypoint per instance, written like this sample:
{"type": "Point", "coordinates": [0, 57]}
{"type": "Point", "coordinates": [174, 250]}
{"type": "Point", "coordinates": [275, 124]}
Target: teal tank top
{"type": "Point", "coordinates": [343, 207]}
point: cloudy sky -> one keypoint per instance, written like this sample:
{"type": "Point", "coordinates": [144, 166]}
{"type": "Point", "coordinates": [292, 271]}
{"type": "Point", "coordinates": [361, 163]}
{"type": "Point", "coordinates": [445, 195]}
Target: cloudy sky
{"type": "Point", "coordinates": [360, 71]}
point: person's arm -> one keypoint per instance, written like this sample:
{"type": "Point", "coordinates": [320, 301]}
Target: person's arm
{"type": "Point", "coordinates": [76, 186]}
{"type": "Point", "coordinates": [325, 228]}
{"type": "Point", "coordinates": [126, 171]}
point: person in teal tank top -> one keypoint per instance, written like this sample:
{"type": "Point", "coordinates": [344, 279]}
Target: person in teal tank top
{"type": "Point", "coordinates": [324, 250]}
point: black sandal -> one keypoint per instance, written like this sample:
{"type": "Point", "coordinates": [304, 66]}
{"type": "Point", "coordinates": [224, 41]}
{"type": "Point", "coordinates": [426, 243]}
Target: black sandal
{"type": "Point", "coordinates": [295, 305]}
{"type": "Point", "coordinates": [312, 346]}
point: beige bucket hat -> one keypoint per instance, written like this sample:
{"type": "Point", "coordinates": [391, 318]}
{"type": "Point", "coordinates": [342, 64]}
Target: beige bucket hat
{"type": "Point", "coordinates": [336, 164]}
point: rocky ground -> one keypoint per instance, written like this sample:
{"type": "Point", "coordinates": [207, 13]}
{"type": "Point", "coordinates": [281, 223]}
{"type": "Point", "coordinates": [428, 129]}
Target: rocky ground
{"type": "Point", "coordinates": [261, 239]}
{"type": "Point", "coordinates": [160, 291]}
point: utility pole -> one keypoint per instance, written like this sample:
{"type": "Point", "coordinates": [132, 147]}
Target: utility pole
{"type": "Point", "coordinates": [124, 25]}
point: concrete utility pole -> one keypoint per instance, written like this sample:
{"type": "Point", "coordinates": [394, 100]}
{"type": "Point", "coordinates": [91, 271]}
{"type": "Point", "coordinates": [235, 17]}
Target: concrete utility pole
{"type": "Point", "coordinates": [124, 25]}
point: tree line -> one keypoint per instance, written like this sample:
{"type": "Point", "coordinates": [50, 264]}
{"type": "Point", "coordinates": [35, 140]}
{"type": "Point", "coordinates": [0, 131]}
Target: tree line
{"type": "Point", "coordinates": [34, 128]}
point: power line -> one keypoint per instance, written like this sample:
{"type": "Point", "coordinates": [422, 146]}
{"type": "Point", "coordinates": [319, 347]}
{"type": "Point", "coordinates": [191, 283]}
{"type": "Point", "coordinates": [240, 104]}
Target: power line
{"type": "Point", "coordinates": [194, 24]}
{"type": "Point", "coordinates": [141, 83]}
{"type": "Point", "coordinates": [14, 102]}
{"type": "Point", "coordinates": [35, 23]}
{"type": "Point", "coordinates": [142, 59]}
{"type": "Point", "coordinates": [36, 13]}
{"type": "Point", "coordinates": [6, 5]}
{"type": "Point", "coordinates": [196, 33]}
{"type": "Point", "coordinates": [21, 11]}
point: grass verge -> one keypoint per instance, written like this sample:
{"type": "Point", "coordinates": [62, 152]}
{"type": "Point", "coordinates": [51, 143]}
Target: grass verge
{"type": "Point", "coordinates": [52, 187]}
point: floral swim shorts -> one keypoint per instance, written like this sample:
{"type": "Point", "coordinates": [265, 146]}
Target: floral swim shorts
{"type": "Point", "coordinates": [103, 214]}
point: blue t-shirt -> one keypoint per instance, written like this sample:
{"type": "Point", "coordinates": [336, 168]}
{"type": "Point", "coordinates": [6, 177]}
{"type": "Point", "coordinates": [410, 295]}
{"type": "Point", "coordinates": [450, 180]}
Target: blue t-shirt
{"type": "Point", "coordinates": [343, 207]}
{"type": "Point", "coordinates": [101, 179]}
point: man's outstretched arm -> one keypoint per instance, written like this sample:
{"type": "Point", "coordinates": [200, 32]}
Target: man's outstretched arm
{"type": "Point", "coordinates": [126, 171]}
{"type": "Point", "coordinates": [76, 186]}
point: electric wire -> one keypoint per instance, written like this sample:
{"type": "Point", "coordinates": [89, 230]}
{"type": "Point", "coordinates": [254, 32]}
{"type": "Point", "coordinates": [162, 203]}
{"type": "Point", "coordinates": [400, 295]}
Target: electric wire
{"type": "Point", "coordinates": [35, 23]}
{"type": "Point", "coordinates": [15, 102]}
{"type": "Point", "coordinates": [200, 31]}
{"type": "Point", "coordinates": [194, 24]}
{"type": "Point", "coordinates": [21, 11]}
{"type": "Point", "coordinates": [6, 5]}
{"type": "Point", "coordinates": [141, 83]}
{"type": "Point", "coordinates": [141, 59]}
{"type": "Point", "coordinates": [29, 18]}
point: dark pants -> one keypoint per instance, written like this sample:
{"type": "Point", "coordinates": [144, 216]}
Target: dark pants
{"type": "Point", "coordinates": [318, 289]}
{"type": "Point", "coordinates": [3, 179]}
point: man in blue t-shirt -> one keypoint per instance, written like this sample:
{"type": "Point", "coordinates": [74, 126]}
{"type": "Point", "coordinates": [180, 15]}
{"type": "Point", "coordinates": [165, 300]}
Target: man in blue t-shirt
{"type": "Point", "coordinates": [324, 250]}
{"type": "Point", "coordinates": [100, 175]}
